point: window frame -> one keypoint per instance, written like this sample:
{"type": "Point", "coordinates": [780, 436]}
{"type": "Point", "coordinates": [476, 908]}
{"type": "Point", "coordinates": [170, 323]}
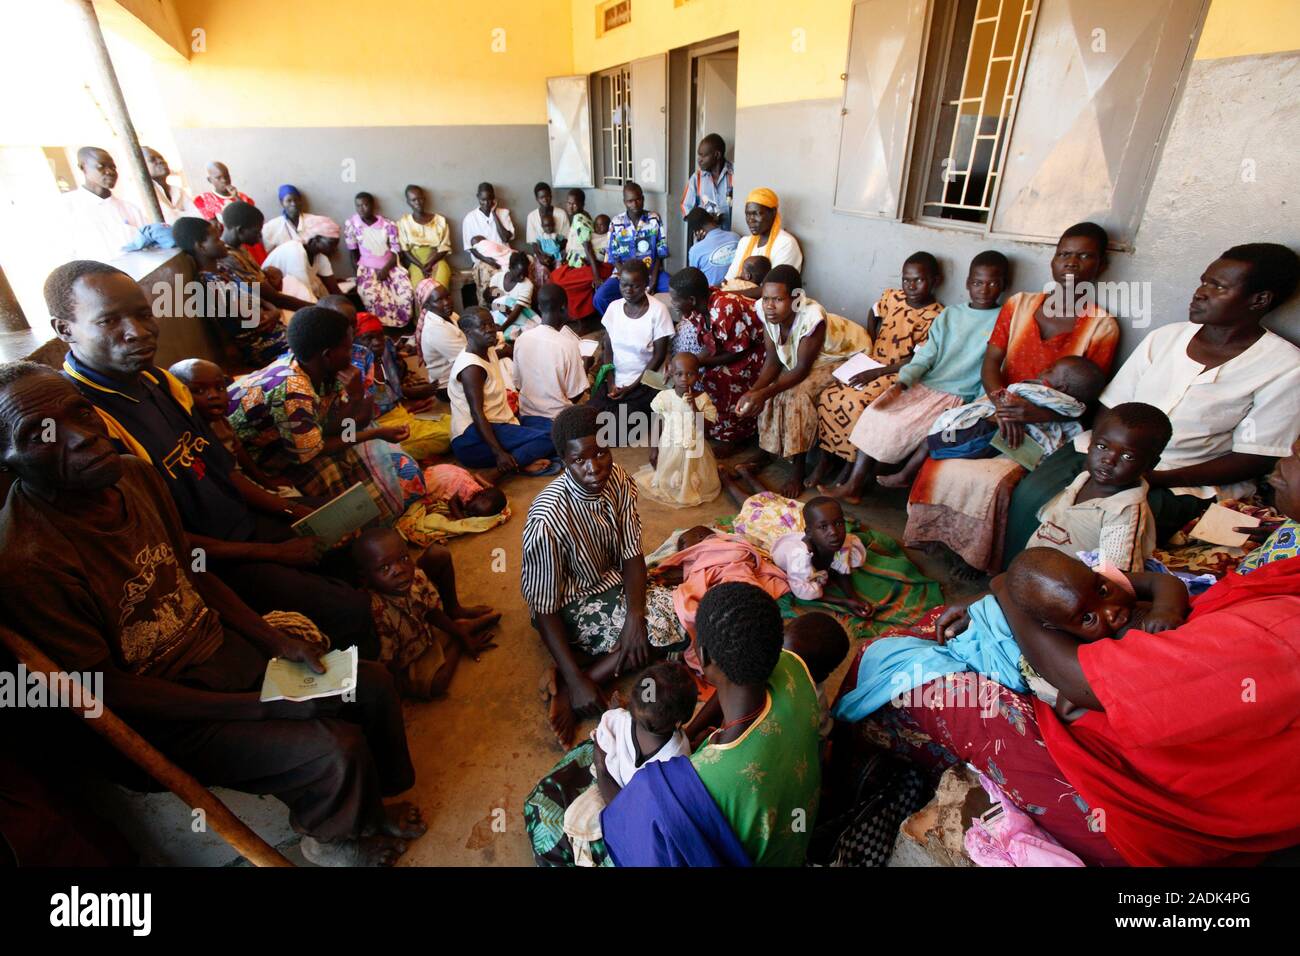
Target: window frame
{"type": "Point", "coordinates": [605, 161]}
{"type": "Point", "coordinates": [934, 68]}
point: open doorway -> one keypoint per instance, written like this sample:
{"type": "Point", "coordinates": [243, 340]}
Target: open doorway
{"type": "Point", "coordinates": [703, 81]}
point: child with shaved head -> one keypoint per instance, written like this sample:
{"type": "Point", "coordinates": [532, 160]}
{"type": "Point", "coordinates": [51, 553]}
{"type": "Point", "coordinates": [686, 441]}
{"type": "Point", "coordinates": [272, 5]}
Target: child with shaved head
{"type": "Point", "coordinates": [418, 641]}
{"type": "Point", "coordinates": [1058, 591]}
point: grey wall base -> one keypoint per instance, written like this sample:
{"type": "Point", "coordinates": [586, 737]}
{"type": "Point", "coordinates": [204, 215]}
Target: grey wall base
{"type": "Point", "coordinates": [330, 165]}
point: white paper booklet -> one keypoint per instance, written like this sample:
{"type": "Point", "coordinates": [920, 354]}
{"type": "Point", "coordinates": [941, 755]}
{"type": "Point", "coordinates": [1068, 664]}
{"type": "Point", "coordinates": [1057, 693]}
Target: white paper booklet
{"type": "Point", "coordinates": [293, 680]}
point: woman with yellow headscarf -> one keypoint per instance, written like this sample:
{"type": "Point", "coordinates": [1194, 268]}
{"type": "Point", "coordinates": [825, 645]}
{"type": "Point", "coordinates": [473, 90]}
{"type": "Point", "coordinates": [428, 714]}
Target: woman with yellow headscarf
{"type": "Point", "coordinates": [766, 238]}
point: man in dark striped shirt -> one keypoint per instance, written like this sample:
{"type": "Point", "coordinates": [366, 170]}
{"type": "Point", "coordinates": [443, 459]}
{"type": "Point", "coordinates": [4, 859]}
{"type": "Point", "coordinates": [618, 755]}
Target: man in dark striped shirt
{"type": "Point", "coordinates": [584, 575]}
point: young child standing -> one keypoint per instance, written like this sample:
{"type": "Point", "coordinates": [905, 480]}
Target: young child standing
{"type": "Point", "coordinates": [682, 471]}
{"type": "Point", "coordinates": [418, 641]}
{"type": "Point", "coordinates": [600, 237]}
{"type": "Point", "coordinates": [1105, 508]}
{"type": "Point", "coordinates": [626, 739]}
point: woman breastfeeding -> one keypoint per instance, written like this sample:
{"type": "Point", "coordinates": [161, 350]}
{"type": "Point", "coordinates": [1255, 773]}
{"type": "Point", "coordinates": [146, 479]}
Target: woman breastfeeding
{"type": "Point", "coordinates": [962, 503]}
{"type": "Point", "coordinates": [747, 796]}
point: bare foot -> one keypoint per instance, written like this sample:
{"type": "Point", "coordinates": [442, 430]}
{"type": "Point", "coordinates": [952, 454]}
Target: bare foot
{"type": "Point", "coordinates": [474, 610]}
{"type": "Point", "coordinates": [480, 623]}
{"type": "Point", "coordinates": [404, 821]}
{"type": "Point", "coordinates": [792, 487]}
{"type": "Point", "coordinates": [537, 467]}
{"type": "Point", "coordinates": [377, 850]}
{"type": "Point", "coordinates": [547, 685]}
{"type": "Point", "coordinates": [961, 571]}
{"type": "Point", "coordinates": [824, 466]}
{"type": "Point", "coordinates": [841, 493]}
{"type": "Point", "coordinates": [561, 716]}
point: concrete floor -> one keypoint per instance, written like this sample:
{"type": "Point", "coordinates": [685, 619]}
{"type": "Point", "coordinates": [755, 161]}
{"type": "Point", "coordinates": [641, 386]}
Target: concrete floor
{"type": "Point", "coordinates": [479, 751]}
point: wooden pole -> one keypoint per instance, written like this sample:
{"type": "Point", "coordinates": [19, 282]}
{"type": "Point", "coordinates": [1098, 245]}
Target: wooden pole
{"type": "Point", "coordinates": [102, 64]}
{"type": "Point", "coordinates": [12, 318]}
{"type": "Point", "coordinates": [149, 759]}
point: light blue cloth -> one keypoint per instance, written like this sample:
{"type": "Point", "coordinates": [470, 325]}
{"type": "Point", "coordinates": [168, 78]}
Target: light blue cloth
{"type": "Point", "coordinates": [149, 235]}
{"type": "Point", "coordinates": [949, 359]}
{"type": "Point", "coordinates": [712, 255]}
{"type": "Point", "coordinates": [896, 665]}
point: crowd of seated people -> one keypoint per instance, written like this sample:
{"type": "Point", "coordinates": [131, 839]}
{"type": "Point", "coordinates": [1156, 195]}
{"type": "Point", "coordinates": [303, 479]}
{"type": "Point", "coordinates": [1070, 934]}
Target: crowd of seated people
{"type": "Point", "coordinates": [1065, 481]}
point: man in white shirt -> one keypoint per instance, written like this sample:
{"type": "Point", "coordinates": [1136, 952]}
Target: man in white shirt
{"type": "Point", "coordinates": [486, 221]}
{"type": "Point", "coordinates": [174, 201]}
{"type": "Point", "coordinates": [548, 369]}
{"type": "Point", "coordinates": [99, 224]}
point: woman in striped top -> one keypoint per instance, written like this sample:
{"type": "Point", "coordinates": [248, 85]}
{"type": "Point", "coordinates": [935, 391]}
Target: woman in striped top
{"type": "Point", "coordinates": [584, 576]}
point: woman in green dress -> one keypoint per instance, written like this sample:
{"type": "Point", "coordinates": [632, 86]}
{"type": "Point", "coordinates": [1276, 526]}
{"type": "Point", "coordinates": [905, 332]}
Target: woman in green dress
{"type": "Point", "coordinates": [759, 770]}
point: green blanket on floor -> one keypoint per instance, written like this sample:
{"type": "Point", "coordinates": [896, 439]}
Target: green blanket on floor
{"type": "Point", "coordinates": [895, 586]}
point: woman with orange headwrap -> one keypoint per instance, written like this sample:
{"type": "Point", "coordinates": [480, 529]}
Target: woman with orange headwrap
{"type": "Point", "coordinates": [767, 238]}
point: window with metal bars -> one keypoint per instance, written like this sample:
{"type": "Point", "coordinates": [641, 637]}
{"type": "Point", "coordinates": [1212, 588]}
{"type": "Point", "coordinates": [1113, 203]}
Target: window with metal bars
{"type": "Point", "coordinates": [979, 76]}
{"type": "Point", "coordinates": [615, 118]}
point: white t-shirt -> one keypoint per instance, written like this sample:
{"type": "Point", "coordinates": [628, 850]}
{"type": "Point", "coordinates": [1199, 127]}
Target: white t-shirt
{"type": "Point", "coordinates": [1250, 404]}
{"type": "Point", "coordinates": [533, 226]}
{"type": "Point", "coordinates": [548, 370]}
{"type": "Point", "coordinates": [441, 341]}
{"type": "Point", "coordinates": [495, 406]}
{"type": "Point", "coordinates": [785, 252]}
{"type": "Point", "coordinates": [179, 204]}
{"type": "Point", "coordinates": [521, 293]}
{"type": "Point", "coordinates": [614, 734]}
{"type": "Point", "coordinates": [633, 340]}
{"type": "Point", "coordinates": [488, 227]}
{"type": "Point", "coordinates": [99, 228]}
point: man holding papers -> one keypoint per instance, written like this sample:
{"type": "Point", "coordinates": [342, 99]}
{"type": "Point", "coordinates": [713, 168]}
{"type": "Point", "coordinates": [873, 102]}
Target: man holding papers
{"type": "Point", "coordinates": [95, 569]}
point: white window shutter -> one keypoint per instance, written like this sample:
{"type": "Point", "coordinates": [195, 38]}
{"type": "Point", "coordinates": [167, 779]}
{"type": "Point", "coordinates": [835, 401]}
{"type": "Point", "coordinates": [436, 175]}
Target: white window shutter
{"type": "Point", "coordinates": [1098, 92]}
{"type": "Point", "coordinates": [568, 125]}
{"type": "Point", "coordinates": [886, 43]}
{"type": "Point", "coordinates": [650, 122]}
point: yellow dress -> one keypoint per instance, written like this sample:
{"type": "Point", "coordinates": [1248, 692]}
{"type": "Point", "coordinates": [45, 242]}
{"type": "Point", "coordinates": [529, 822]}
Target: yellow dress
{"type": "Point", "coordinates": [420, 241]}
{"type": "Point", "coordinates": [687, 474]}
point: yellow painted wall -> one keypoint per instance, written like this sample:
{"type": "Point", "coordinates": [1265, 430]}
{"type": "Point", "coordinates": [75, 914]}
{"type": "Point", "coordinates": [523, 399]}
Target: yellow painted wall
{"type": "Point", "coordinates": [1249, 27]}
{"type": "Point", "coordinates": [344, 63]}
{"type": "Point", "coordinates": [789, 49]}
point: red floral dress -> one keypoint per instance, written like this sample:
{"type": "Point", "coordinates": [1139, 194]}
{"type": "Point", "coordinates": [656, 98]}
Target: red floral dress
{"type": "Point", "coordinates": [731, 325]}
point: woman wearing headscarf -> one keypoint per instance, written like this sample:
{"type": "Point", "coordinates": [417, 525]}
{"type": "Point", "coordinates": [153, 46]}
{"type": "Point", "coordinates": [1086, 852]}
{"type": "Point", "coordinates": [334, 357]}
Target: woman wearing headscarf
{"type": "Point", "coordinates": [300, 244]}
{"type": "Point", "coordinates": [766, 237]}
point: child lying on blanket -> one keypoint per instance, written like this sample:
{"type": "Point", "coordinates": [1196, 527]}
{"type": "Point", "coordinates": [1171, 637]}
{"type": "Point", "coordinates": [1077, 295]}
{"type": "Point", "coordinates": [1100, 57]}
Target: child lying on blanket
{"type": "Point", "coordinates": [1060, 591]}
{"type": "Point", "coordinates": [467, 495]}
{"type": "Point", "coordinates": [625, 740]}
{"type": "Point", "coordinates": [1068, 387]}
{"type": "Point", "coordinates": [808, 542]}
